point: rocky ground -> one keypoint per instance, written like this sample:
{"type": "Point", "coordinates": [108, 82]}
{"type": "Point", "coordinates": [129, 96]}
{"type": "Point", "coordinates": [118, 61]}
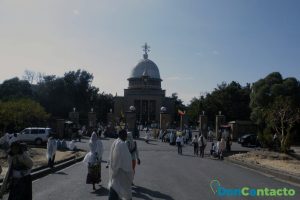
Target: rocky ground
{"type": "Point", "coordinates": [272, 160]}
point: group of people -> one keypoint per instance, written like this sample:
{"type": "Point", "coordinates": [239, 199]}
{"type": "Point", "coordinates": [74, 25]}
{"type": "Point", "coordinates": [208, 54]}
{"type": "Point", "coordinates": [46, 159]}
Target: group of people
{"type": "Point", "coordinates": [199, 144]}
{"type": "Point", "coordinates": [217, 150]}
{"type": "Point", "coordinates": [124, 156]}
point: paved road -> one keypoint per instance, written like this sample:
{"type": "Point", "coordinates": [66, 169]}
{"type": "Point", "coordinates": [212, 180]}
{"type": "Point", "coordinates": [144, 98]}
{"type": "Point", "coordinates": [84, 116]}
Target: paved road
{"type": "Point", "coordinates": [163, 174]}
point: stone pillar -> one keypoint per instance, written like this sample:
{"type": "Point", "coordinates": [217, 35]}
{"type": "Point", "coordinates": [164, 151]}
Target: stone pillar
{"type": "Point", "coordinates": [92, 119]}
{"type": "Point", "coordinates": [165, 120]}
{"type": "Point", "coordinates": [130, 120]}
{"type": "Point", "coordinates": [110, 118]}
{"type": "Point", "coordinates": [203, 124]}
{"type": "Point", "coordinates": [74, 117]}
{"type": "Point", "coordinates": [220, 120]}
{"type": "Point", "coordinates": [60, 127]}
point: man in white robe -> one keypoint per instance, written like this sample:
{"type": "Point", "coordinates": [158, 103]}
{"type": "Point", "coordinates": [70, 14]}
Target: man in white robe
{"type": "Point", "coordinates": [51, 151]}
{"type": "Point", "coordinates": [120, 169]}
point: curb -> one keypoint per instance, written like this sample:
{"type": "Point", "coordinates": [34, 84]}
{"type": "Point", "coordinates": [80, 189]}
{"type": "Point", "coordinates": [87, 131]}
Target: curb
{"type": "Point", "coordinates": [63, 164]}
{"type": "Point", "coordinates": [43, 171]}
{"type": "Point", "coordinates": [273, 172]}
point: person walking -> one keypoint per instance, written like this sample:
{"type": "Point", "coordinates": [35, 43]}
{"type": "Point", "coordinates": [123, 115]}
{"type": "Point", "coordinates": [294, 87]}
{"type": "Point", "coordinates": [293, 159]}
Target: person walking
{"type": "Point", "coordinates": [210, 135]}
{"type": "Point", "coordinates": [161, 132]}
{"type": "Point", "coordinates": [179, 142]}
{"type": "Point", "coordinates": [221, 145]}
{"type": "Point", "coordinates": [93, 160]}
{"type": "Point", "coordinates": [196, 145]}
{"type": "Point", "coordinates": [133, 149]}
{"type": "Point", "coordinates": [228, 143]}
{"type": "Point", "coordinates": [147, 135]}
{"type": "Point", "coordinates": [163, 138]}
{"type": "Point", "coordinates": [202, 144]}
{"type": "Point", "coordinates": [80, 134]}
{"type": "Point", "coordinates": [186, 136]}
{"type": "Point", "coordinates": [18, 174]}
{"type": "Point", "coordinates": [120, 169]}
{"type": "Point", "coordinates": [51, 150]}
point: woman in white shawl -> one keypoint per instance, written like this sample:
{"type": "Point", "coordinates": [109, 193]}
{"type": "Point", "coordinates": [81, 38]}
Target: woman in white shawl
{"type": "Point", "coordinates": [93, 160]}
{"type": "Point", "coordinates": [51, 151]}
{"type": "Point", "coordinates": [221, 145]}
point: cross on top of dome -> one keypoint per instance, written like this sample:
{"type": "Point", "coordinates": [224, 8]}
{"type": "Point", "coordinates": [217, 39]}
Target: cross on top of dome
{"type": "Point", "coordinates": [146, 49]}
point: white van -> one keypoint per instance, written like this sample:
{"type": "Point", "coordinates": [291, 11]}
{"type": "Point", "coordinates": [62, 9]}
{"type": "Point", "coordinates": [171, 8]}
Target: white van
{"type": "Point", "coordinates": [35, 135]}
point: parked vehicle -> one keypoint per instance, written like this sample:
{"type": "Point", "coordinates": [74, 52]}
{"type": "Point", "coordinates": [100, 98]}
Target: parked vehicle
{"type": "Point", "coordinates": [248, 140]}
{"type": "Point", "coordinates": [36, 135]}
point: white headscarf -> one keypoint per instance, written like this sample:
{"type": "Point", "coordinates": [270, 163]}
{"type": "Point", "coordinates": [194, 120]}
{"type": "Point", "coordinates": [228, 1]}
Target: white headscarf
{"type": "Point", "coordinates": [51, 147]}
{"type": "Point", "coordinates": [96, 146]}
{"type": "Point", "coordinates": [93, 142]}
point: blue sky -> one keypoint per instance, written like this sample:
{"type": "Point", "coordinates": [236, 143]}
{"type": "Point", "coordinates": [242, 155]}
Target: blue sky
{"type": "Point", "coordinates": [196, 44]}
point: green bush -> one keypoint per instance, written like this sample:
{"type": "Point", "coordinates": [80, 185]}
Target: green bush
{"type": "Point", "coordinates": [17, 114]}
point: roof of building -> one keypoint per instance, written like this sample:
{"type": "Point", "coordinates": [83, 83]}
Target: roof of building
{"type": "Point", "coordinates": [145, 67]}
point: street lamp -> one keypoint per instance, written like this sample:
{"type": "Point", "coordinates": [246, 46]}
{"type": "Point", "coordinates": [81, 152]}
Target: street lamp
{"type": "Point", "coordinates": [163, 109]}
{"type": "Point", "coordinates": [132, 108]}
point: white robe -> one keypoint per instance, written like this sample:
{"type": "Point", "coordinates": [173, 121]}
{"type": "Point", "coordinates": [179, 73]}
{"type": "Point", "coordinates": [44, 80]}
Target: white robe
{"type": "Point", "coordinates": [72, 145]}
{"type": "Point", "coordinates": [148, 135]}
{"type": "Point", "coordinates": [120, 169]}
{"type": "Point", "coordinates": [96, 149]}
{"type": "Point", "coordinates": [51, 148]}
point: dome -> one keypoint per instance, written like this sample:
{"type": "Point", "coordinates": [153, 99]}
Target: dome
{"type": "Point", "coordinates": [145, 67]}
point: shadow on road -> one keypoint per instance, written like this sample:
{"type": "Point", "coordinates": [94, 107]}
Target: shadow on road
{"type": "Point", "coordinates": [151, 143]}
{"type": "Point", "coordinates": [101, 192]}
{"type": "Point", "coordinates": [147, 194]}
{"type": "Point", "coordinates": [60, 173]}
{"type": "Point", "coordinates": [188, 155]}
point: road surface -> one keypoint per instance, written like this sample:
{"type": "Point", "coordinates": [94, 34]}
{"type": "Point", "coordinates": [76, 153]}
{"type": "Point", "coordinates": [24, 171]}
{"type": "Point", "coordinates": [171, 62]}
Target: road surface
{"type": "Point", "coordinates": [163, 174]}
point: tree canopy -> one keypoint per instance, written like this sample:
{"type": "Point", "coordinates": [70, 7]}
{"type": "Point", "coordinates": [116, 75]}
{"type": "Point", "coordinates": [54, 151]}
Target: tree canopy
{"type": "Point", "coordinates": [15, 88]}
{"type": "Point", "coordinates": [232, 99]}
{"type": "Point", "coordinates": [59, 95]}
{"type": "Point", "coordinates": [275, 104]}
{"type": "Point", "coordinates": [19, 113]}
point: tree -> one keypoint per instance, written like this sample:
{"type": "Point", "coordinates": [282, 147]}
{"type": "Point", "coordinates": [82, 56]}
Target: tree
{"type": "Point", "coordinates": [103, 104]}
{"type": "Point", "coordinates": [59, 95]}
{"type": "Point", "coordinates": [232, 99]}
{"type": "Point", "coordinates": [282, 116]}
{"type": "Point", "coordinates": [195, 108]}
{"type": "Point", "coordinates": [21, 113]}
{"type": "Point", "coordinates": [15, 88]}
{"type": "Point", "coordinates": [178, 106]}
{"type": "Point", "coordinates": [268, 96]}
{"type": "Point", "coordinates": [29, 76]}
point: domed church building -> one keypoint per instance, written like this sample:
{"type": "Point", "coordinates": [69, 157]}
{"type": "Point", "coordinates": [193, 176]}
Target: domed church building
{"type": "Point", "coordinates": [144, 95]}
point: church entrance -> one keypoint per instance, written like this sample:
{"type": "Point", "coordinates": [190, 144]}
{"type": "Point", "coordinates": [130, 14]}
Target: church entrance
{"type": "Point", "coordinates": [145, 111]}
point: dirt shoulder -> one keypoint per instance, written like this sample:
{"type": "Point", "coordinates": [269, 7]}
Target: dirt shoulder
{"type": "Point", "coordinates": [272, 160]}
{"type": "Point", "coordinates": [38, 156]}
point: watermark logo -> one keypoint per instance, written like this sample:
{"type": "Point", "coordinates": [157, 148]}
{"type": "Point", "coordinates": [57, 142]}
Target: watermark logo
{"type": "Point", "coordinates": [221, 191]}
